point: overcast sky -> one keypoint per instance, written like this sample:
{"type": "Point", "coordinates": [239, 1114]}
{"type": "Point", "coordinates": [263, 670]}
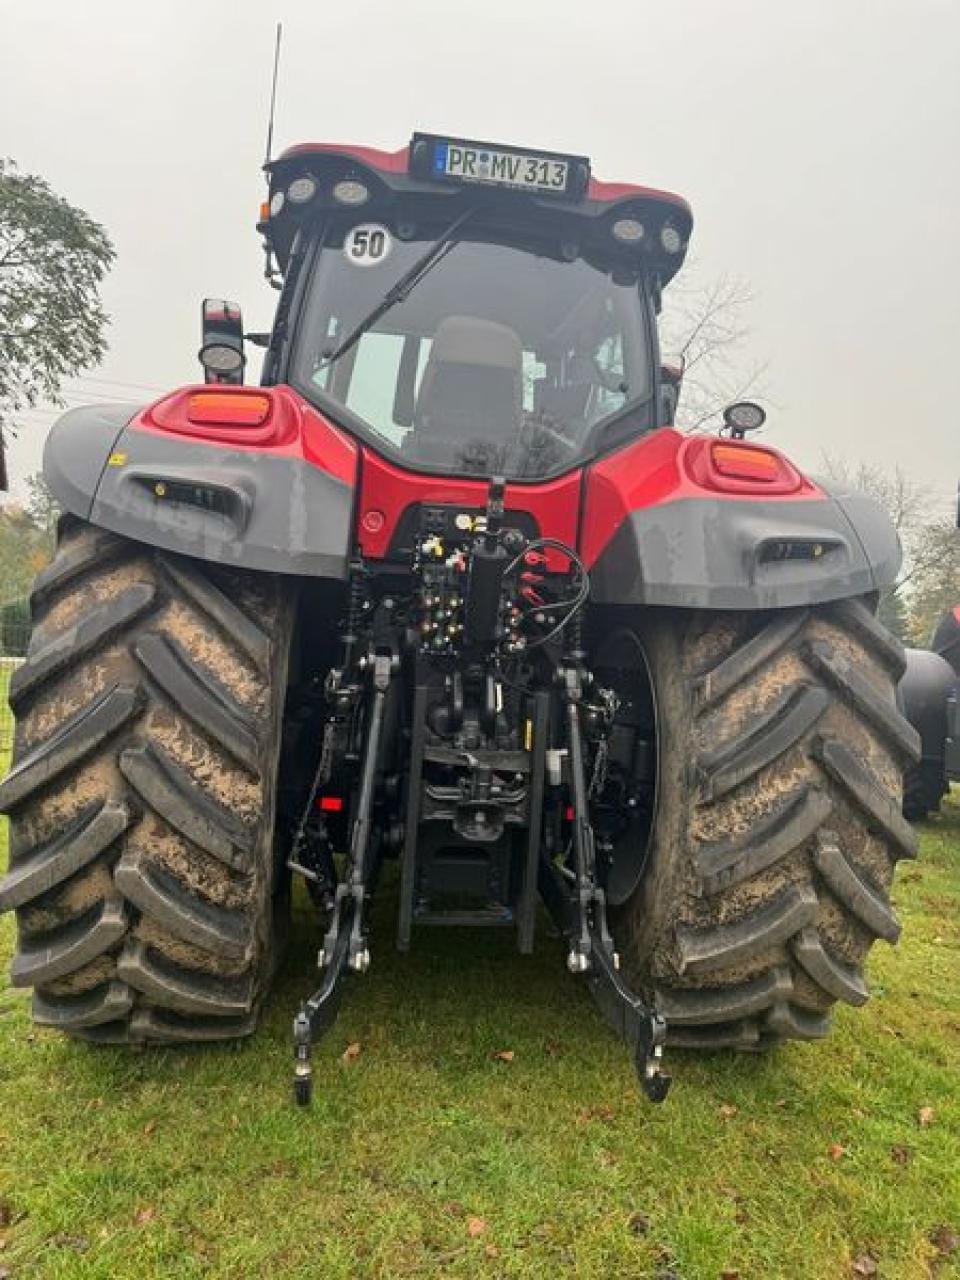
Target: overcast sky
{"type": "Point", "coordinates": [818, 144]}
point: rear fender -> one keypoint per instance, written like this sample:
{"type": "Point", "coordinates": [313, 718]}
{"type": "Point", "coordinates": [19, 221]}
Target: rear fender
{"type": "Point", "coordinates": [654, 535]}
{"type": "Point", "coordinates": [284, 504]}
{"type": "Point", "coordinates": [924, 697]}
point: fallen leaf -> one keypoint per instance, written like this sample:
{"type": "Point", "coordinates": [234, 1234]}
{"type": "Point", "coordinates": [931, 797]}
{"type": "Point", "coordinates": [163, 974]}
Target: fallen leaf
{"type": "Point", "coordinates": [835, 1151]}
{"type": "Point", "coordinates": [727, 1110]}
{"type": "Point", "coordinates": [944, 1239]}
{"type": "Point", "coordinates": [149, 1128]}
{"type": "Point", "coordinates": [352, 1052]}
{"type": "Point", "coordinates": [145, 1215]}
{"type": "Point", "coordinates": [476, 1227]}
{"type": "Point", "coordinates": [864, 1265]}
{"type": "Point", "coordinates": [503, 1055]}
{"type": "Point", "coordinates": [491, 1251]}
{"type": "Point", "coordinates": [5, 1273]}
{"type": "Point", "coordinates": [729, 1275]}
{"type": "Point", "coordinates": [900, 1155]}
{"type": "Point", "coordinates": [925, 1117]}
{"type": "Point", "coordinates": [639, 1224]}
{"type": "Point", "coordinates": [780, 1102]}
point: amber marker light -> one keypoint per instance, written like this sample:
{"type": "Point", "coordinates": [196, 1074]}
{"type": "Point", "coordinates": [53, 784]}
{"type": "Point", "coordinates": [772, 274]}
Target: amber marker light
{"type": "Point", "coordinates": [228, 408]}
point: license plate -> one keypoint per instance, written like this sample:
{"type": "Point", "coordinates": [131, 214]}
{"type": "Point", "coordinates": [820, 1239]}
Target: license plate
{"type": "Point", "coordinates": [476, 162]}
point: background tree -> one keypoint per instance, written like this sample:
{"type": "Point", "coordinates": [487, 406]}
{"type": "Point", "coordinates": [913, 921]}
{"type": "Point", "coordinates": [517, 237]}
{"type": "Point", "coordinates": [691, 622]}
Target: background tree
{"type": "Point", "coordinates": [935, 585]}
{"type": "Point", "coordinates": [26, 540]}
{"type": "Point", "coordinates": [705, 323]}
{"type": "Point", "coordinates": [53, 258]}
{"type": "Point", "coordinates": [929, 579]}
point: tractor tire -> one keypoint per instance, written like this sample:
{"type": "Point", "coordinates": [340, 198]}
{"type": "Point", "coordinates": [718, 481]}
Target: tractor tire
{"type": "Point", "coordinates": [777, 824]}
{"type": "Point", "coordinates": [924, 787]}
{"type": "Point", "coordinates": [141, 799]}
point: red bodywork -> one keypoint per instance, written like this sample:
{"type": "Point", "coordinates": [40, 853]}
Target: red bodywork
{"type": "Point", "coordinates": [399, 162]}
{"type": "Point", "coordinates": [583, 508]}
{"type": "Point", "coordinates": [292, 428]}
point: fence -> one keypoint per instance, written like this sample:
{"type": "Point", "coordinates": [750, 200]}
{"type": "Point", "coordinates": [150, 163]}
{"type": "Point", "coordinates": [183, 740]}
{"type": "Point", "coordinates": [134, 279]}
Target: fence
{"type": "Point", "coordinates": [14, 635]}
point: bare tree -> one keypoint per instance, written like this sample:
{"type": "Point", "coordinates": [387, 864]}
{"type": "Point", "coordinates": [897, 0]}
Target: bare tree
{"type": "Point", "coordinates": [705, 324]}
{"type": "Point", "coordinates": [935, 584]}
{"type": "Point", "coordinates": [927, 565]}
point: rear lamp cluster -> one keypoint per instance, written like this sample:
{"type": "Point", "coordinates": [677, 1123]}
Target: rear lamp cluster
{"type": "Point", "coordinates": [301, 191]}
{"type": "Point", "coordinates": [734, 466]}
{"type": "Point", "coordinates": [631, 231]}
{"type": "Point", "coordinates": [745, 462]}
{"type": "Point", "coordinates": [228, 409]}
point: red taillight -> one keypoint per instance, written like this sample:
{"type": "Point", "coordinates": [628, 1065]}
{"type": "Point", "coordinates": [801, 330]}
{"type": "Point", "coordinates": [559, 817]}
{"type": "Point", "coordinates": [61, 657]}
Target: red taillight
{"type": "Point", "coordinates": [745, 462]}
{"type": "Point", "coordinates": [330, 804]}
{"type": "Point", "coordinates": [733, 466]}
{"type": "Point", "coordinates": [228, 408]}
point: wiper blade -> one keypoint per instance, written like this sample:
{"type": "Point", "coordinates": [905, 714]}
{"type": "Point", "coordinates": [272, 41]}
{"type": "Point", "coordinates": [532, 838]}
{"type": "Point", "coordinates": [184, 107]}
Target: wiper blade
{"type": "Point", "coordinates": [398, 292]}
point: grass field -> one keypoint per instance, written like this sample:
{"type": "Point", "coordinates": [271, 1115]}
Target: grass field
{"type": "Point", "coordinates": [427, 1155]}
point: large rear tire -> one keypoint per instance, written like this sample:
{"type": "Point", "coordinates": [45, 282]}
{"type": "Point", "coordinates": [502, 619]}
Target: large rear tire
{"type": "Point", "coordinates": [142, 794]}
{"type": "Point", "coordinates": [777, 824]}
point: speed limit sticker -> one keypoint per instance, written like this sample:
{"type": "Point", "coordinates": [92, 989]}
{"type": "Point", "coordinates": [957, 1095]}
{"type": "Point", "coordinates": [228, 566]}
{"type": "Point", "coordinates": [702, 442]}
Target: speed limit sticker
{"type": "Point", "coordinates": [367, 245]}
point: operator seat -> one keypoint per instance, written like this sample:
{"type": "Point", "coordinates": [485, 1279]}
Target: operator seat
{"type": "Point", "coordinates": [471, 394]}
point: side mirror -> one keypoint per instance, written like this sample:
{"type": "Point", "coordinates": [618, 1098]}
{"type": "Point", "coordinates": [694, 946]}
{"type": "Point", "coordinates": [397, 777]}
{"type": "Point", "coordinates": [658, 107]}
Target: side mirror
{"type": "Point", "coordinates": [221, 348]}
{"type": "Point", "coordinates": [671, 379]}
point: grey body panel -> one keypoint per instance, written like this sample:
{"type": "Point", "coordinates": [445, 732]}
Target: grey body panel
{"type": "Point", "coordinates": [76, 452]}
{"type": "Point", "coordinates": [281, 514]}
{"type": "Point", "coordinates": [710, 553]}
{"type": "Point", "coordinates": [228, 505]}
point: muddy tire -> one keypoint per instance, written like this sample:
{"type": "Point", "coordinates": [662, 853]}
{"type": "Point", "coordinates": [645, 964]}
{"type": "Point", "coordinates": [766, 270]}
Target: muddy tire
{"type": "Point", "coordinates": [778, 821]}
{"type": "Point", "coordinates": [141, 799]}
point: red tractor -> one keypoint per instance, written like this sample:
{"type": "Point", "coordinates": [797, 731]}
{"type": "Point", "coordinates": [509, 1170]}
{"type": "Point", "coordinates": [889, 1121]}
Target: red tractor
{"type": "Point", "coordinates": [448, 589]}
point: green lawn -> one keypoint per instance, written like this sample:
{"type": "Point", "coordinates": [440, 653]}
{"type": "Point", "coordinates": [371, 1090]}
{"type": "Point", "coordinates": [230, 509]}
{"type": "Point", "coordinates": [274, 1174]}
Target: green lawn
{"type": "Point", "coordinates": [427, 1156]}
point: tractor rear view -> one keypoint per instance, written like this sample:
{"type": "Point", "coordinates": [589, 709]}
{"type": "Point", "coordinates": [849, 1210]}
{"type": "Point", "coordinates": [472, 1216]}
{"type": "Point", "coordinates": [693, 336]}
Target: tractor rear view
{"type": "Point", "coordinates": [449, 589]}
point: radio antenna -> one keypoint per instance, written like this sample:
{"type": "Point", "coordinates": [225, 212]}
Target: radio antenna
{"type": "Point", "coordinates": [273, 93]}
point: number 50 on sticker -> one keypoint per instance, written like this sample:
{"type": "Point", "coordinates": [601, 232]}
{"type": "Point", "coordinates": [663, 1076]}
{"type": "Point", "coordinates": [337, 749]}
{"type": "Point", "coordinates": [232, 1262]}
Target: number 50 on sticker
{"type": "Point", "coordinates": [367, 245]}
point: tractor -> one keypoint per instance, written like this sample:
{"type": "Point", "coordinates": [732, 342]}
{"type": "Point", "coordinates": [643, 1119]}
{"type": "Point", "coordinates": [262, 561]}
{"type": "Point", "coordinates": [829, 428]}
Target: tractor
{"type": "Point", "coordinates": [929, 694]}
{"type": "Point", "coordinates": [449, 590]}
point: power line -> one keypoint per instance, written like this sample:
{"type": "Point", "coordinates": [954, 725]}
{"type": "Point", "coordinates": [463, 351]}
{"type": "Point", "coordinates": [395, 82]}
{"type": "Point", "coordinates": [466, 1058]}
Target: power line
{"type": "Point", "coordinates": [116, 382]}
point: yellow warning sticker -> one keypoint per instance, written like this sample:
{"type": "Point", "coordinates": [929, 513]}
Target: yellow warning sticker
{"type": "Point", "coordinates": [117, 460]}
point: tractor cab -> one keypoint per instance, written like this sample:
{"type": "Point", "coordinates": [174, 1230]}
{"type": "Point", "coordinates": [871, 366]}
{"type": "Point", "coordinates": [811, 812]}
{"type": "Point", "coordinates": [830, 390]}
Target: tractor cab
{"type": "Point", "coordinates": [468, 308]}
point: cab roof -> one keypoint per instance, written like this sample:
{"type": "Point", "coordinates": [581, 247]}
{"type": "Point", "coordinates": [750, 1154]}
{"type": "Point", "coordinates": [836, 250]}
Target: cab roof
{"type": "Point", "coordinates": [398, 162]}
{"type": "Point", "coordinates": [388, 174]}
